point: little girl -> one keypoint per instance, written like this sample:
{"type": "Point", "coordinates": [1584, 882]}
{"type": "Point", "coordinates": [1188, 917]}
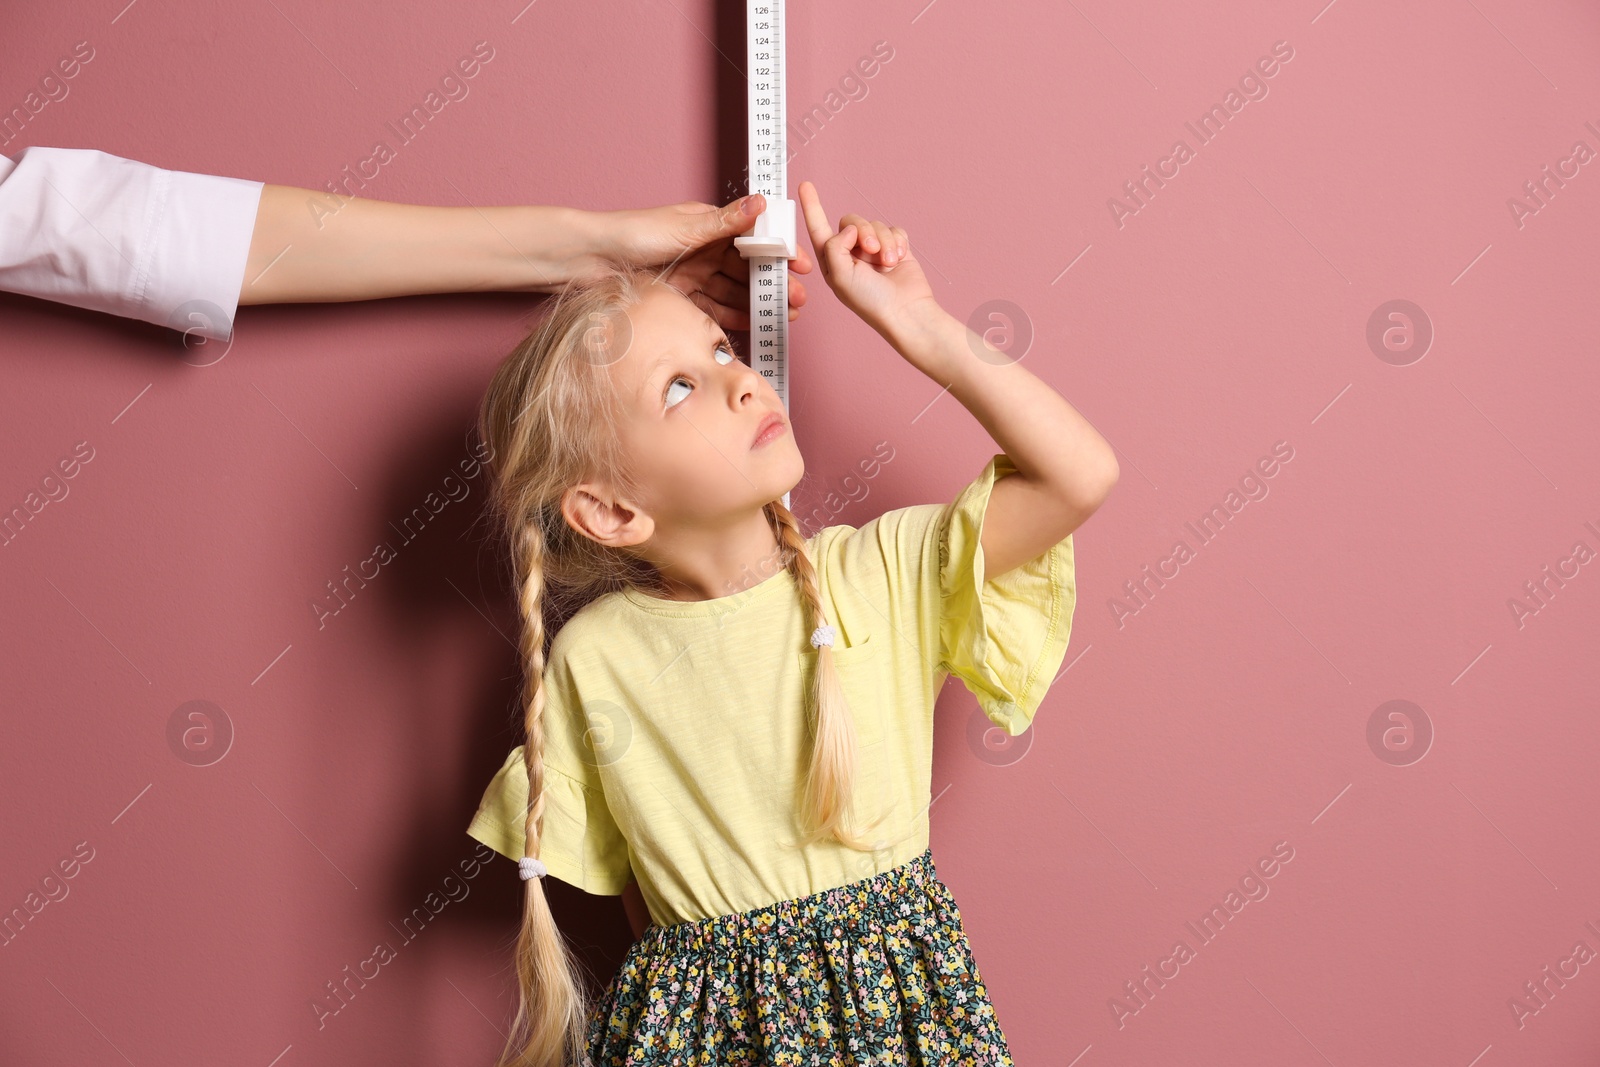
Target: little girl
{"type": "Point", "coordinates": [757, 755]}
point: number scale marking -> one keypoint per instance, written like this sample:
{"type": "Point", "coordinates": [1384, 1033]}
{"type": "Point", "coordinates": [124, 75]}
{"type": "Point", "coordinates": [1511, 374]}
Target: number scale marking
{"type": "Point", "coordinates": [771, 242]}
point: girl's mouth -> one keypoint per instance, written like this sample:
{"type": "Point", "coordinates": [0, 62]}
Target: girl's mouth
{"type": "Point", "coordinates": [772, 426]}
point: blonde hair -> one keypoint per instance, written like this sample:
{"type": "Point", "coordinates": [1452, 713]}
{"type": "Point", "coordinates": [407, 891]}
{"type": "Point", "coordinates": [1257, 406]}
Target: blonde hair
{"type": "Point", "coordinates": [550, 417]}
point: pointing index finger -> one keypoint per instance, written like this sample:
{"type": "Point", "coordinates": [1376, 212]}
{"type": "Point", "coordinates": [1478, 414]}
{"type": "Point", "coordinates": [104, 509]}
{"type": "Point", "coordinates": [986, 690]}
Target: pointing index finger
{"type": "Point", "coordinates": [816, 218]}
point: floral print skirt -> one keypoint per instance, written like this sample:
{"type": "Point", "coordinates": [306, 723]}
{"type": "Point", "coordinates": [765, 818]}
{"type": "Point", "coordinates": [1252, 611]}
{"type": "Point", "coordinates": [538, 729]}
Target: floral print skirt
{"type": "Point", "coordinates": [874, 972]}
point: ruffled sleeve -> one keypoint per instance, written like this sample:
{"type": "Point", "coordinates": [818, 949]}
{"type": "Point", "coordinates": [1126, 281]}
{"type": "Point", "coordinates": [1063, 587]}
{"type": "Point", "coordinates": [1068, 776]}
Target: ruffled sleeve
{"type": "Point", "coordinates": [1004, 636]}
{"type": "Point", "coordinates": [580, 842]}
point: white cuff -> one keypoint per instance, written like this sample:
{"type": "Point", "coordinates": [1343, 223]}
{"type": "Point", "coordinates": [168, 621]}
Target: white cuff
{"type": "Point", "coordinates": [87, 228]}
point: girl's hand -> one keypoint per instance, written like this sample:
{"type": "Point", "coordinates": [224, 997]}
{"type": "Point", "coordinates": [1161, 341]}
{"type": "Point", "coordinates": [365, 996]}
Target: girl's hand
{"type": "Point", "coordinates": [870, 266]}
{"type": "Point", "coordinates": [693, 243]}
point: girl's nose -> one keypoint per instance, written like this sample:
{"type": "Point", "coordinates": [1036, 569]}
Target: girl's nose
{"type": "Point", "coordinates": [745, 385]}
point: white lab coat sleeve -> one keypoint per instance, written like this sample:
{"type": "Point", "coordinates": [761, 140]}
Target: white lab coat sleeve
{"type": "Point", "coordinates": [94, 230]}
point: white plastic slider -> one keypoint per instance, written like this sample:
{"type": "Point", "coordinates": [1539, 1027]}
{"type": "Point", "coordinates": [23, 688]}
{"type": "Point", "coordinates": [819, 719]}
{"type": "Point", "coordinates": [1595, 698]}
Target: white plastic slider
{"type": "Point", "coordinates": [773, 236]}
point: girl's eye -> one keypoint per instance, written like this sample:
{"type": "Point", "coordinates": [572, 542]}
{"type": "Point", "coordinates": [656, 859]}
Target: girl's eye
{"type": "Point", "coordinates": [721, 350]}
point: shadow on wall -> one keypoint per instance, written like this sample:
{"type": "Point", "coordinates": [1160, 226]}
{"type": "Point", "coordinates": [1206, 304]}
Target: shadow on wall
{"type": "Point", "coordinates": [448, 577]}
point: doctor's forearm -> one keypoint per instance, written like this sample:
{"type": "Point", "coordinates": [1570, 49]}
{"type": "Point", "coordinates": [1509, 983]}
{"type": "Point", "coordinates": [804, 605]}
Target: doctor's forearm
{"type": "Point", "coordinates": [313, 247]}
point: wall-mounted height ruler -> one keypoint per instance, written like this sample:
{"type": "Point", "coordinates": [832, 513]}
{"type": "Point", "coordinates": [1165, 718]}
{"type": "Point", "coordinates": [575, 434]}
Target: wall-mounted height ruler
{"type": "Point", "coordinates": [771, 242]}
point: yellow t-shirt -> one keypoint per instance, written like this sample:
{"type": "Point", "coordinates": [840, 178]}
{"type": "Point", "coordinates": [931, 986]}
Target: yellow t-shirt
{"type": "Point", "coordinates": [675, 733]}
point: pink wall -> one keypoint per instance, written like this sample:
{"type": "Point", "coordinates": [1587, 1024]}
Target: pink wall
{"type": "Point", "coordinates": [1412, 498]}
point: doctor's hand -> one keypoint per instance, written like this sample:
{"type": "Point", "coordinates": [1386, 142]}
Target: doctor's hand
{"type": "Point", "coordinates": [692, 244]}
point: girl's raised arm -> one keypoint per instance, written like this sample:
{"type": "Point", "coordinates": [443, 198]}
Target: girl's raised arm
{"type": "Point", "coordinates": [1065, 469]}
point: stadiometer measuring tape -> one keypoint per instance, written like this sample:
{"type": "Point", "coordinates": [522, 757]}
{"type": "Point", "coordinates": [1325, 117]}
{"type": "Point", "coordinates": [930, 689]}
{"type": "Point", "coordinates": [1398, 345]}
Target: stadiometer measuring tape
{"type": "Point", "coordinates": [771, 242]}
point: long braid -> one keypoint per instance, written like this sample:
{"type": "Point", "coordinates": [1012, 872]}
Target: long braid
{"type": "Point", "coordinates": [551, 1032]}
{"type": "Point", "coordinates": [826, 800]}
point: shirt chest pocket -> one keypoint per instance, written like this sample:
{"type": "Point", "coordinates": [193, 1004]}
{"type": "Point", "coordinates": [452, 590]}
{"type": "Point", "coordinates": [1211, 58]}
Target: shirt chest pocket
{"type": "Point", "coordinates": [860, 669]}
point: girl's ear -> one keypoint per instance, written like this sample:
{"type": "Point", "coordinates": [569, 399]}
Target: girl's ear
{"type": "Point", "coordinates": [592, 510]}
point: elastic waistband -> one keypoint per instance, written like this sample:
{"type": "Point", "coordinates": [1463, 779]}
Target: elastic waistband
{"type": "Point", "coordinates": [895, 893]}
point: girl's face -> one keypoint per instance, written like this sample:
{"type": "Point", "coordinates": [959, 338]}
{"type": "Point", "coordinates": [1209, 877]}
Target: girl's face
{"type": "Point", "coordinates": [693, 410]}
